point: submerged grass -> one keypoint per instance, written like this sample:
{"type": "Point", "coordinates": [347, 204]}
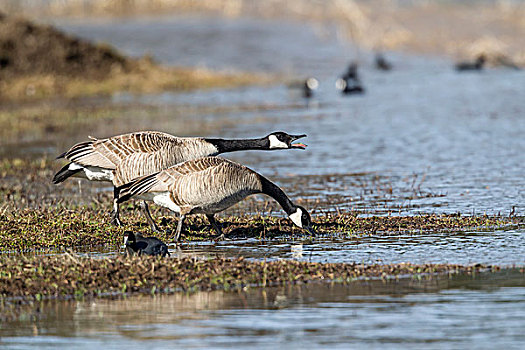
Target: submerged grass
{"type": "Point", "coordinates": [69, 276]}
{"type": "Point", "coordinates": [29, 229]}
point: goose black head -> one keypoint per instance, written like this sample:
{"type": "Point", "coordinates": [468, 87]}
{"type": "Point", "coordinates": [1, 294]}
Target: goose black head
{"type": "Point", "coordinates": [280, 140]}
{"type": "Point", "coordinates": [301, 218]}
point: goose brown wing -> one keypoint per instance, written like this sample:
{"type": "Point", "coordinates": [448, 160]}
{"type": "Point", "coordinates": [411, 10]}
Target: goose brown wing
{"type": "Point", "coordinates": [109, 153]}
{"type": "Point", "coordinates": [211, 182]}
{"type": "Point", "coordinates": [84, 153]}
{"type": "Point", "coordinates": [169, 178]}
{"type": "Point", "coordinates": [145, 184]}
{"type": "Point", "coordinates": [202, 182]}
{"type": "Point", "coordinates": [197, 165]}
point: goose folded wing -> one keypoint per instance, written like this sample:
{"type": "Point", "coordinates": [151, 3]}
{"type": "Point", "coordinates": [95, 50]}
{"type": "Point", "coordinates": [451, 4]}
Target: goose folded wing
{"type": "Point", "coordinates": [85, 153]}
{"type": "Point", "coordinates": [157, 182]}
{"type": "Point", "coordinates": [109, 153]}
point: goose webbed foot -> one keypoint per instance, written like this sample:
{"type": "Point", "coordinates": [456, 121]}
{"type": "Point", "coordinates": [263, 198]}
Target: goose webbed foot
{"type": "Point", "coordinates": [220, 235]}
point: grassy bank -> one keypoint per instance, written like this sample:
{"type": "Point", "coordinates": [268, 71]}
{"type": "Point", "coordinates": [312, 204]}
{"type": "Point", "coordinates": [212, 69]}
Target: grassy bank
{"type": "Point", "coordinates": [69, 276]}
{"type": "Point", "coordinates": [29, 229]}
{"type": "Point", "coordinates": [39, 61]}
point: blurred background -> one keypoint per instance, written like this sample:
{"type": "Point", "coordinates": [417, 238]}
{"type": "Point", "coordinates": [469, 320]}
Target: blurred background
{"type": "Point", "coordinates": [427, 114]}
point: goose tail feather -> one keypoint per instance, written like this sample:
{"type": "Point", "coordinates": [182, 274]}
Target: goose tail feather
{"type": "Point", "coordinates": [64, 173]}
{"type": "Point", "coordinates": [136, 187]}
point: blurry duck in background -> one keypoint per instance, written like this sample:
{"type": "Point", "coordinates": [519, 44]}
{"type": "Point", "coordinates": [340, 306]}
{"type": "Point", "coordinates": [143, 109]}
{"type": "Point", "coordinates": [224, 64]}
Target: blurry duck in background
{"type": "Point", "coordinates": [310, 85]}
{"type": "Point", "coordinates": [382, 63]}
{"type": "Point", "coordinates": [349, 83]}
{"type": "Point", "coordinates": [472, 66]}
{"type": "Point", "coordinates": [305, 88]}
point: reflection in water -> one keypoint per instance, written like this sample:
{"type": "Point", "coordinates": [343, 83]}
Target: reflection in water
{"type": "Point", "coordinates": [502, 248]}
{"type": "Point", "coordinates": [444, 311]}
{"type": "Point", "coordinates": [491, 247]}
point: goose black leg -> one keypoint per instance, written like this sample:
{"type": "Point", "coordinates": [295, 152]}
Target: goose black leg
{"type": "Point", "coordinates": [179, 227]}
{"type": "Point", "coordinates": [215, 225]}
{"type": "Point", "coordinates": [145, 209]}
{"type": "Point", "coordinates": [115, 212]}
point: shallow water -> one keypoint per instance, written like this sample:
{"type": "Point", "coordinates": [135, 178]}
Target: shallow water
{"type": "Point", "coordinates": [422, 139]}
{"type": "Point", "coordinates": [482, 311]}
{"type": "Point", "coordinates": [505, 248]}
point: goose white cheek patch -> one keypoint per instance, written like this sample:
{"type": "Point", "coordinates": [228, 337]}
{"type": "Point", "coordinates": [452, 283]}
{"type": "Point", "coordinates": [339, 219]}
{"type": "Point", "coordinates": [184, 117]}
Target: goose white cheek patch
{"type": "Point", "coordinates": [296, 218]}
{"type": "Point", "coordinates": [275, 143]}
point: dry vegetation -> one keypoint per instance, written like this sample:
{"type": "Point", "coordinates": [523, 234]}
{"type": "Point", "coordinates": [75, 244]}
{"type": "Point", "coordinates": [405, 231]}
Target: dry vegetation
{"type": "Point", "coordinates": [40, 61]}
{"type": "Point", "coordinates": [146, 77]}
{"type": "Point", "coordinates": [44, 215]}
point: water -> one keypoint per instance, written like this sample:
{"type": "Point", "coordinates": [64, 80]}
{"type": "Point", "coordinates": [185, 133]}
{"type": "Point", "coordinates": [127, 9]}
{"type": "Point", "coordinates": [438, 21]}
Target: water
{"type": "Point", "coordinates": [483, 311]}
{"type": "Point", "coordinates": [423, 139]}
{"type": "Point", "coordinates": [506, 248]}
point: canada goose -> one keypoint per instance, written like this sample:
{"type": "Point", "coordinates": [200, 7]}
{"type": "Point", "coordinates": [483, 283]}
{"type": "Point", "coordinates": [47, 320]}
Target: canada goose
{"type": "Point", "coordinates": [207, 186]}
{"type": "Point", "coordinates": [136, 243]}
{"type": "Point", "coordinates": [469, 66]}
{"type": "Point", "coordinates": [310, 85]}
{"type": "Point", "coordinates": [349, 82]}
{"type": "Point", "coordinates": [382, 63]}
{"type": "Point", "coordinates": [120, 159]}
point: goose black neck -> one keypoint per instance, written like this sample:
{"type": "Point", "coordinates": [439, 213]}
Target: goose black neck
{"type": "Point", "coordinates": [224, 146]}
{"type": "Point", "coordinates": [274, 191]}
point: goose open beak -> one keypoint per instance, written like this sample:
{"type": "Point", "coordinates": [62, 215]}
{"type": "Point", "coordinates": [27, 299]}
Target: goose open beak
{"type": "Point", "coordinates": [297, 145]}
